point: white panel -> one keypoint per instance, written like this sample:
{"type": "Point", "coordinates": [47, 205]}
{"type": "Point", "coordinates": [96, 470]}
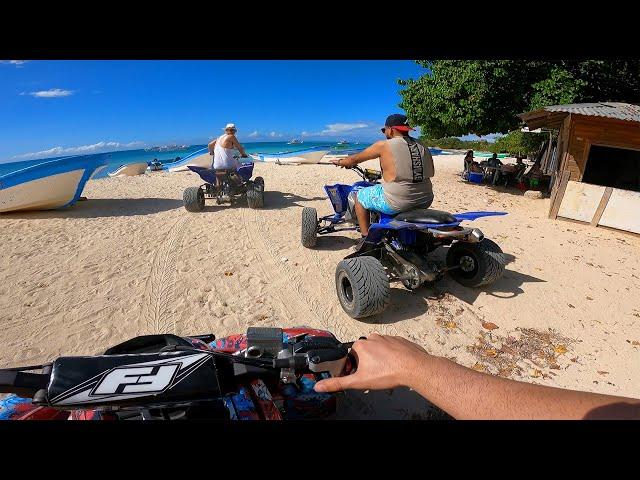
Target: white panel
{"type": "Point", "coordinates": [622, 211]}
{"type": "Point", "coordinates": [580, 201]}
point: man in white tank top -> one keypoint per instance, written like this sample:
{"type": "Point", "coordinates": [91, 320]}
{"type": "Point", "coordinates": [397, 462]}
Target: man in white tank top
{"type": "Point", "coordinates": [224, 149]}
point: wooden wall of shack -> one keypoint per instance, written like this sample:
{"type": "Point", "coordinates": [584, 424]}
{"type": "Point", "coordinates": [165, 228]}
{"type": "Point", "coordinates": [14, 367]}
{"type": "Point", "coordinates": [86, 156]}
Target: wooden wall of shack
{"type": "Point", "coordinates": [576, 135]}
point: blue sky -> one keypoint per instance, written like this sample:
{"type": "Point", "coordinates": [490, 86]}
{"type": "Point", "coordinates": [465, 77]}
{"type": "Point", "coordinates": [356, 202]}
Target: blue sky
{"type": "Point", "coordinates": [50, 108]}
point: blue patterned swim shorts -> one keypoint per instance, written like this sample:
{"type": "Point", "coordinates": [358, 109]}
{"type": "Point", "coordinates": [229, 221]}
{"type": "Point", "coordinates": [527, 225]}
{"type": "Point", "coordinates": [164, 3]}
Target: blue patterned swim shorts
{"type": "Point", "coordinates": [372, 198]}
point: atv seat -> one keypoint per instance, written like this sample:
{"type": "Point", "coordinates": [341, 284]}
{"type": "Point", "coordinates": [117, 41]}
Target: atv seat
{"type": "Point", "coordinates": [426, 215]}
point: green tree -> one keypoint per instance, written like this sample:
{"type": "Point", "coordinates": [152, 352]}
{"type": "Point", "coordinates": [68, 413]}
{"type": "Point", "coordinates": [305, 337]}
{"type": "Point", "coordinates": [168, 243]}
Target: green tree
{"type": "Point", "coordinates": [457, 97]}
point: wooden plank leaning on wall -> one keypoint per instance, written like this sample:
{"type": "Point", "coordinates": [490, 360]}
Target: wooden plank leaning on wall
{"type": "Point", "coordinates": [603, 204]}
{"type": "Point", "coordinates": [561, 177]}
{"type": "Point", "coordinates": [563, 180]}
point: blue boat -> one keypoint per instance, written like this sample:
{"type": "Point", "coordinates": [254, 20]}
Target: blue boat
{"type": "Point", "coordinates": [48, 185]}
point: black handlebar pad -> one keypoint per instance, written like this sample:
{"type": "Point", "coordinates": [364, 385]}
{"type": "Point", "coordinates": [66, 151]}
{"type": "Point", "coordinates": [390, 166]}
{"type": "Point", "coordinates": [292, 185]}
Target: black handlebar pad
{"type": "Point", "coordinates": [170, 377]}
{"type": "Point", "coordinates": [22, 384]}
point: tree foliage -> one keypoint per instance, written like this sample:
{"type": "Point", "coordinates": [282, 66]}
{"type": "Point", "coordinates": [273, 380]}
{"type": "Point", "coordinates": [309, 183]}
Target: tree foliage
{"type": "Point", "coordinates": [457, 97]}
{"type": "Point", "coordinates": [513, 143]}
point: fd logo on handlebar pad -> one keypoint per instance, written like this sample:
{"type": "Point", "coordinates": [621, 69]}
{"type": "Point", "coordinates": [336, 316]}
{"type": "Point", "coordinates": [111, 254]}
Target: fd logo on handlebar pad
{"type": "Point", "coordinates": [136, 380]}
{"type": "Point", "coordinates": [123, 382]}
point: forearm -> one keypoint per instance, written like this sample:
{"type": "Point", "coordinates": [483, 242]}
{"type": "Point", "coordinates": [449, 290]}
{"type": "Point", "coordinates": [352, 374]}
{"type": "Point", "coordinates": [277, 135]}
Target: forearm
{"type": "Point", "coordinates": [467, 394]}
{"type": "Point", "coordinates": [367, 154]}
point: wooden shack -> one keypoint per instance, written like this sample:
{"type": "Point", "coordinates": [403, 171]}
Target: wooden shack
{"type": "Point", "coordinates": [594, 162]}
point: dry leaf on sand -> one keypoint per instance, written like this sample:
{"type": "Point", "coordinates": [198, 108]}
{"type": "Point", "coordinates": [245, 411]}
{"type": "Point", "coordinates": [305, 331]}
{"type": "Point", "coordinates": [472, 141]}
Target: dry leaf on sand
{"type": "Point", "coordinates": [489, 325]}
{"type": "Point", "coordinates": [560, 349]}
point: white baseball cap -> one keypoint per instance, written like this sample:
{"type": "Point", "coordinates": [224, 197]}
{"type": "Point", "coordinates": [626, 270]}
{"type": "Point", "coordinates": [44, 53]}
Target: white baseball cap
{"type": "Point", "coordinates": [230, 125]}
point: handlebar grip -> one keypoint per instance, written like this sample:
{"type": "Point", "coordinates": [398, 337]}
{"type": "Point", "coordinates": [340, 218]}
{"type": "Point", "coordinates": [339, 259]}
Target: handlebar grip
{"type": "Point", "coordinates": [351, 365]}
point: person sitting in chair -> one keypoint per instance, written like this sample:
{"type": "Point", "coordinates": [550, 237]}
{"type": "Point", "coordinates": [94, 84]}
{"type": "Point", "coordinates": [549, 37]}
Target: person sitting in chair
{"type": "Point", "coordinates": [512, 171]}
{"type": "Point", "coordinates": [468, 160]}
{"type": "Point", "coordinates": [494, 161]}
{"type": "Point", "coordinates": [407, 168]}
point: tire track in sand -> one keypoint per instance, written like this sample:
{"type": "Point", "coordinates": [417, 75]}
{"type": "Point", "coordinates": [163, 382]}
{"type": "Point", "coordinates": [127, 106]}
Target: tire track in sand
{"type": "Point", "coordinates": [154, 316]}
{"type": "Point", "coordinates": [304, 299]}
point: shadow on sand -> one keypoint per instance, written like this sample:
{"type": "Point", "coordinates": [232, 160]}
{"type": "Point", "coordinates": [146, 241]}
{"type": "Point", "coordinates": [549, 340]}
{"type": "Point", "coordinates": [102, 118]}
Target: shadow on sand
{"type": "Point", "coordinates": [275, 200]}
{"type": "Point", "coordinates": [396, 404]}
{"type": "Point", "coordinates": [104, 207]}
{"type": "Point", "coordinates": [405, 305]}
{"type": "Point", "coordinates": [334, 243]}
{"type": "Point", "coordinates": [509, 286]}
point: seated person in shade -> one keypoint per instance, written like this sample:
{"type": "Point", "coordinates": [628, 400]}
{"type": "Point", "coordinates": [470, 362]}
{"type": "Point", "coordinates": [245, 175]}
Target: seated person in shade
{"type": "Point", "coordinates": [475, 168]}
{"type": "Point", "coordinates": [510, 171]}
{"type": "Point", "coordinates": [470, 165]}
{"type": "Point", "coordinates": [494, 161]}
{"type": "Point", "coordinates": [514, 167]}
{"type": "Point", "coordinates": [468, 160]}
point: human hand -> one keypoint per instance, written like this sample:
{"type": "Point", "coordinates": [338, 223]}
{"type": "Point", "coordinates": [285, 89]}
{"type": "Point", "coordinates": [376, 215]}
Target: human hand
{"type": "Point", "coordinates": [342, 162]}
{"type": "Point", "coordinates": [383, 362]}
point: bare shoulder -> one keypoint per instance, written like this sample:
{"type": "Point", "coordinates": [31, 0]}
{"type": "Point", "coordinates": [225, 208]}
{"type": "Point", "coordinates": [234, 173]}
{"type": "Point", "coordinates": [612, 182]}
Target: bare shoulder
{"type": "Point", "coordinates": [380, 145]}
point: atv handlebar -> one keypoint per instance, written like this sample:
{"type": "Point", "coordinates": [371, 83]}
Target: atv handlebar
{"type": "Point", "coordinates": [368, 174]}
{"type": "Point", "coordinates": [70, 383]}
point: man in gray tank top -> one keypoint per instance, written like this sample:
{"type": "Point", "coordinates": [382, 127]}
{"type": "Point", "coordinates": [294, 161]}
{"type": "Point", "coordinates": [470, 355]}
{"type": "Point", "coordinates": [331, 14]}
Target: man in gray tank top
{"type": "Point", "coordinates": [407, 168]}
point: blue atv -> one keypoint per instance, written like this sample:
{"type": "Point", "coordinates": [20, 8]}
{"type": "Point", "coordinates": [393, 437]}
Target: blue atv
{"type": "Point", "coordinates": [397, 248]}
{"type": "Point", "coordinates": [225, 186]}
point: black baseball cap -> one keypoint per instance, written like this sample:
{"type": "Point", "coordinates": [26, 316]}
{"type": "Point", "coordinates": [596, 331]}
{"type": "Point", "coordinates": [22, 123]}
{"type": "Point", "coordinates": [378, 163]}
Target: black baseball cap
{"type": "Point", "coordinates": [399, 122]}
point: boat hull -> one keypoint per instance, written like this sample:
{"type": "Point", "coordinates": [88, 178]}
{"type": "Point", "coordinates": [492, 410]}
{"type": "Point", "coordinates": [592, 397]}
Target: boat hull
{"type": "Point", "coordinates": [203, 160]}
{"type": "Point", "coordinates": [296, 159]}
{"type": "Point", "coordinates": [48, 185]}
{"type": "Point", "coordinates": [130, 170]}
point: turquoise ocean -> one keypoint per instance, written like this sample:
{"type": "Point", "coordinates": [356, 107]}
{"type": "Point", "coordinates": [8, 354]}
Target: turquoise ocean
{"type": "Point", "coordinates": [124, 157]}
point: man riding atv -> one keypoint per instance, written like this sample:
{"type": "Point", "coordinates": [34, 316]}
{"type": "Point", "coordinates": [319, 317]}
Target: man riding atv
{"type": "Point", "coordinates": [223, 149]}
{"type": "Point", "coordinates": [407, 168]}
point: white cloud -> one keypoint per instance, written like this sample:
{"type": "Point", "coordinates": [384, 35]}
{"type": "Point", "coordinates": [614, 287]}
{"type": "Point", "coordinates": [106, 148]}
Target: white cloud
{"type": "Point", "coordinates": [93, 148]}
{"type": "Point", "coordinates": [51, 93]}
{"type": "Point", "coordinates": [17, 63]}
{"type": "Point", "coordinates": [304, 134]}
{"type": "Point", "coordinates": [275, 134]}
{"type": "Point", "coordinates": [255, 133]}
{"type": "Point", "coordinates": [336, 128]}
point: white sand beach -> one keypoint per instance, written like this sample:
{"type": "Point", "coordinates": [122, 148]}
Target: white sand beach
{"type": "Point", "coordinates": [131, 260]}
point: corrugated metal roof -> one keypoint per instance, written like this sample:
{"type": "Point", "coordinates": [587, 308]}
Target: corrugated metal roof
{"type": "Point", "coordinates": [620, 111]}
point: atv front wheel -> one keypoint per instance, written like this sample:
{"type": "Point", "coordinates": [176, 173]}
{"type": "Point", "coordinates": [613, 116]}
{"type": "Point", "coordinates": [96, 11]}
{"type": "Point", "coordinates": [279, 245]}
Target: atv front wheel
{"type": "Point", "coordinates": [255, 194]}
{"type": "Point", "coordinates": [309, 233]}
{"type": "Point", "coordinates": [362, 286]}
{"type": "Point", "coordinates": [477, 264]}
{"type": "Point", "coordinates": [193, 198]}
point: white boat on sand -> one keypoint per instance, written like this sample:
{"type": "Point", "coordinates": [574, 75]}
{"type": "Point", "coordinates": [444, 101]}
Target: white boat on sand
{"type": "Point", "coordinates": [48, 185]}
{"type": "Point", "coordinates": [294, 158]}
{"type": "Point", "coordinates": [129, 170]}
{"type": "Point", "coordinates": [201, 158]}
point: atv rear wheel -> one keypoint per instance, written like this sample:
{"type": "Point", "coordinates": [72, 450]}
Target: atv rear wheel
{"type": "Point", "coordinates": [362, 286]}
{"type": "Point", "coordinates": [193, 198]}
{"type": "Point", "coordinates": [479, 263]}
{"type": "Point", "coordinates": [255, 194]}
{"type": "Point", "coordinates": [309, 232]}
